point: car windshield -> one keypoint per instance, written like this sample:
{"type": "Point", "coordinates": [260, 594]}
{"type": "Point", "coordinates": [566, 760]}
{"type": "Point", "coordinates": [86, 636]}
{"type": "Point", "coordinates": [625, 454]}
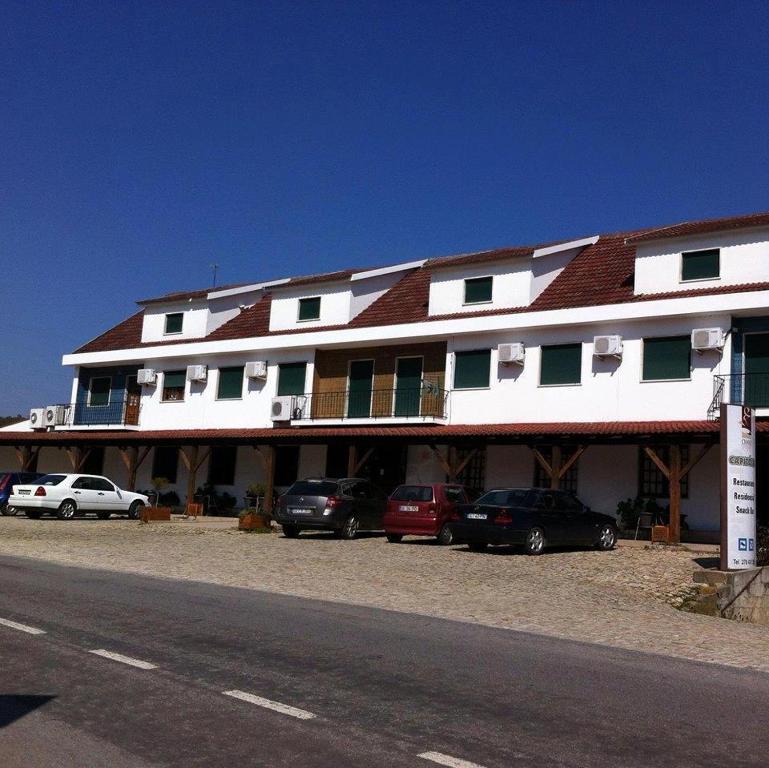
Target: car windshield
{"type": "Point", "coordinates": [312, 488]}
{"type": "Point", "coordinates": [517, 497]}
{"type": "Point", "coordinates": [51, 479]}
{"type": "Point", "coordinates": [412, 493]}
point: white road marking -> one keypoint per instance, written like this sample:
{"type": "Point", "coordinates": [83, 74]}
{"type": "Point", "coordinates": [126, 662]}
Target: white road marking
{"type": "Point", "coordinates": [452, 762]}
{"type": "Point", "coordinates": [123, 659]}
{"type": "Point", "coordinates": [22, 627]}
{"type": "Point", "coordinates": [276, 706]}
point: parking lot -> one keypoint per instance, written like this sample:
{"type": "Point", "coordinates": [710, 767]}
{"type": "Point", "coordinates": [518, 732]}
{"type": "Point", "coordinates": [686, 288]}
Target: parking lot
{"type": "Point", "coordinates": [626, 598]}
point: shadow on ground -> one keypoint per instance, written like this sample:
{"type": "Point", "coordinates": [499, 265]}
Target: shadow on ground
{"type": "Point", "coordinates": [15, 706]}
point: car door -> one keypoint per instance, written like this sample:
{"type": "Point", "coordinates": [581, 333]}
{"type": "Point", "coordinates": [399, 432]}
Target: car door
{"type": "Point", "coordinates": [83, 493]}
{"type": "Point", "coordinates": [547, 515]}
{"type": "Point", "coordinates": [580, 523]}
{"type": "Point", "coordinates": [361, 493]}
{"type": "Point", "coordinates": [107, 498]}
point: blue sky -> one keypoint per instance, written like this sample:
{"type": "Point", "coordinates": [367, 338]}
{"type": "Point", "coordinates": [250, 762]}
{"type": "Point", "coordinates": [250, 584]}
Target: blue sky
{"type": "Point", "coordinates": [140, 142]}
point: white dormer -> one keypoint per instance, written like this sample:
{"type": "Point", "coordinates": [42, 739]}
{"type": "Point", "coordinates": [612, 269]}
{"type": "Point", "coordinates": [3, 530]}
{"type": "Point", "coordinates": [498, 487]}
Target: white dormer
{"type": "Point", "coordinates": [177, 320]}
{"type": "Point", "coordinates": [706, 260]}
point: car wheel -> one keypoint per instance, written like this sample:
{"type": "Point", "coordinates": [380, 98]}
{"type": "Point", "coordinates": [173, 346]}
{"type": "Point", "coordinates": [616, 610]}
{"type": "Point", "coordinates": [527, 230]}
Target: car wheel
{"type": "Point", "coordinates": [34, 514]}
{"type": "Point", "coordinates": [394, 538]}
{"type": "Point", "coordinates": [291, 531]}
{"type": "Point", "coordinates": [607, 538]}
{"type": "Point", "coordinates": [350, 528]}
{"type": "Point", "coordinates": [8, 510]}
{"type": "Point", "coordinates": [535, 541]}
{"type": "Point", "coordinates": [135, 510]}
{"type": "Point", "coordinates": [477, 546]}
{"type": "Point", "coordinates": [103, 515]}
{"type": "Point", "coordinates": [67, 510]}
{"type": "Point", "coordinates": [445, 536]}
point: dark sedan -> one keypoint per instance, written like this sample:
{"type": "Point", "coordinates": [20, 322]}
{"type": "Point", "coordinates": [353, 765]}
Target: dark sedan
{"type": "Point", "coordinates": [534, 517]}
{"type": "Point", "coordinates": [345, 506]}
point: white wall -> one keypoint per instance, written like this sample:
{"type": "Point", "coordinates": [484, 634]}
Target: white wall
{"type": "Point", "coordinates": [744, 259]}
{"type": "Point", "coordinates": [335, 301]}
{"type": "Point", "coordinates": [194, 324]}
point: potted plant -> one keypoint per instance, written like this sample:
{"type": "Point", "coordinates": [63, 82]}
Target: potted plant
{"type": "Point", "coordinates": [251, 520]}
{"type": "Point", "coordinates": [255, 495]}
{"type": "Point", "coordinates": [155, 511]}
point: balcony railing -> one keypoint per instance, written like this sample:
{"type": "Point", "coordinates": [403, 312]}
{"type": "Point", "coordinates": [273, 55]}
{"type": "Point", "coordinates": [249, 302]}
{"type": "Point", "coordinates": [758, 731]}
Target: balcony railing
{"type": "Point", "coordinates": [426, 402]}
{"type": "Point", "coordinates": [751, 389]}
{"type": "Point", "coordinates": [118, 413]}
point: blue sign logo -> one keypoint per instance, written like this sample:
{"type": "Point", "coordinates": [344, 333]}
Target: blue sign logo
{"type": "Point", "coordinates": [742, 545]}
{"type": "Point", "coordinates": [750, 545]}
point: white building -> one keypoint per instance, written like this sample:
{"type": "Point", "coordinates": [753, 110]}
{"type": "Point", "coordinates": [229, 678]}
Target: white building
{"type": "Point", "coordinates": [497, 367]}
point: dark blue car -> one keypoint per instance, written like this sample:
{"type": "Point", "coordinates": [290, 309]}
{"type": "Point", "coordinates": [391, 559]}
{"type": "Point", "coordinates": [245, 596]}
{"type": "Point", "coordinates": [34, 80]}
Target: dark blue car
{"type": "Point", "coordinates": [7, 481]}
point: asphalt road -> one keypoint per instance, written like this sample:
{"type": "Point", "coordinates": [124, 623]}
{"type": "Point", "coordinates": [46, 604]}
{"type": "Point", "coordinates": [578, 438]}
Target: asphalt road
{"type": "Point", "coordinates": [366, 687]}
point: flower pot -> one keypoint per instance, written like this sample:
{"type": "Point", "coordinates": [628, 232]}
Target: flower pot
{"type": "Point", "coordinates": [252, 521]}
{"type": "Point", "coordinates": [148, 514]}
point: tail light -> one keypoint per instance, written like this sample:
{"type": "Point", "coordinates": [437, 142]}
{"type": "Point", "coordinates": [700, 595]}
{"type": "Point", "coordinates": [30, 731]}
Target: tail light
{"type": "Point", "coordinates": [332, 501]}
{"type": "Point", "coordinates": [504, 519]}
{"type": "Point", "coordinates": [40, 491]}
{"type": "Point", "coordinates": [431, 508]}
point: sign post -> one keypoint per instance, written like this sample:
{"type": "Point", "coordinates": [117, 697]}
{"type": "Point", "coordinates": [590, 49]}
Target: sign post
{"type": "Point", "coordinates": [738, 487]}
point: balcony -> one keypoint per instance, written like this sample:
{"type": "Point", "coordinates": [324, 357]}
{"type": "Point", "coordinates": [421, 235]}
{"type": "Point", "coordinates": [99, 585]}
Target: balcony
{"type": "Point", "coordinates": [119, 413]}
{"type": "Point", "coordinates": [426, 404]}
{"type": "Point", "coordinates": [751, 389]}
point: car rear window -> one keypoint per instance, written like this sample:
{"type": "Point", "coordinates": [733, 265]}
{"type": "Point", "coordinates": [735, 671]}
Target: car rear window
{"type": "Point", "coordinates": [51, 479]}
{"type": "Point", "coordinates": [413, 493]}
{"type": "Point", "coordinates": [310, 488]}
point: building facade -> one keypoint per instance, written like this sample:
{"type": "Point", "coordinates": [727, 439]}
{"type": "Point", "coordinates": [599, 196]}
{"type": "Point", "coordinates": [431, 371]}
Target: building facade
{"type": "Point", "coordinates": [596, 364]}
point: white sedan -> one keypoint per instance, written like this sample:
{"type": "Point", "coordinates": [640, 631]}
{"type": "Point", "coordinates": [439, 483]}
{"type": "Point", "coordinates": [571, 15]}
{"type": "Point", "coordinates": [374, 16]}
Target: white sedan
{"type": "Point", "coordinates": [67, 495]}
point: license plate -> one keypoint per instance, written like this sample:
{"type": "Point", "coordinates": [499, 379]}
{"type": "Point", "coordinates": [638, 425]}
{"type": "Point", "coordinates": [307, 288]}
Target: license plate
{"type": "Point", "coordinates": [300, 511]}
{"type": "Point", "coordinates": [408, 508]}
{"type": "Point", "coordinates": [476, 516]}
{"type": "Point", "coordinates": [22, 492]}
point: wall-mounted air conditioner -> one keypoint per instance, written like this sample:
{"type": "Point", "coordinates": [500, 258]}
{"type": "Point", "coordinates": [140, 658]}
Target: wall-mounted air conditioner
{"type": "Point", "coordinates": [707, 338]}
{"type": "Point", "coordinates": [146, 376]}
{"type": "Point", "coordinates": [511, 353]}
{"type": "Point", "coordinates": [197, 372]}
{"type": "Point", "coordinates": [55, 415]}
{"type": "Point", "coordinates": [282, 407]}
{"type": "Point", "coordinates": [607, 346]}
{"type": "Point", "coordinates": [256, 369]}
{"type": "Point", "coordinates": [37, 418]}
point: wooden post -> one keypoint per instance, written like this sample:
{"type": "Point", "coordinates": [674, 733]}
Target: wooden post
{"type": "Point", "coordinates": [27, 457]}
{"type": "Point", "coordinates": [190, 458]}
{"type": "Point", "coordinates": [674, 481]}
{"type": "Point", "coordinates": [352, 460]}
{"type": "Point", "coordinates": [77, 457]}
{"type": "Point", "coordinates": [557, 468]}
{"type": "Point", "coordinates": [132, 460]}
{"type": "Point", "coordinates": [269, 465]}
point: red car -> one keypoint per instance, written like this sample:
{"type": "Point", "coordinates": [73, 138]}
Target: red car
{"type": "Point", "coordinates": [423, 510]}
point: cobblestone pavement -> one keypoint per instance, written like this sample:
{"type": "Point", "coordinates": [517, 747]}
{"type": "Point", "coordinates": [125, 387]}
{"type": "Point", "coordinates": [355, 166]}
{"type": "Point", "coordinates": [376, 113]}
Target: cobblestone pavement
{"type": "Point", "coordinates": [624, 598]}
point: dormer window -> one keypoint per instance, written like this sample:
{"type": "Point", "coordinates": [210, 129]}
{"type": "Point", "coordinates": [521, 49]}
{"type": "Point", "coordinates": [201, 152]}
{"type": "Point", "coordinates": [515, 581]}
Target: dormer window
{"type": "Point", "coordinates": [309, 309]}
{"type": "Point", "coordinates": [701, 265]}
{"type": "Point", "coordinates": [174, 322]}
{"type": "Point", "coordinates": [478, 290]}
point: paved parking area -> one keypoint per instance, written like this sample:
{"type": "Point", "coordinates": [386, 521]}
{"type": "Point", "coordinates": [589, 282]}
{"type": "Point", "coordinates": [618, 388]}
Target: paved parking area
{"type": "Point", "coordinates": [624, 598]}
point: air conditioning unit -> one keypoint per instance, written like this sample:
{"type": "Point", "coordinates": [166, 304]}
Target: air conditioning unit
{"type": "Point", "coordinates": [707, 338]}
{"type": "Point", "coordinates": [256, 369]}
{"type": "Point", "coordinates": [511, 353]}
{"type": "Point", "coordinates": [146, 376]}
{"type": "Point", "coordinates": [55, 415]}
{"type": "Point", "coordinates": [282, 407]}
{"type": "Point", "coordinates": [607, 346]}
{"type": "Point", "coordinates": [37, 418]}
{"type": "Point", "coordinates": [197, 372]}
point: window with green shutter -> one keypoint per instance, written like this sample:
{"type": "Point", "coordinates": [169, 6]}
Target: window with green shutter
{"type": "Point", "coordinates": [291, 378]}
{"type": "Point", "coordinates": [478, 290]}
{"type": "Point", "coordinates": [561, 364]}
{"type": "Point", "coordinates": [173, 386]}
{"type": "Point", "coordinates": [701, 265]}
{"type": "Point", "coordinates": [309, 309]}
{"type": "Point", "coordinates": [230, 383]}
{"type": "Point", "coordinates": [471, 369]}
{"type": "Point", "coordinates": [174, 322]}
{"type": "Point", "coordinates": [667, 358]}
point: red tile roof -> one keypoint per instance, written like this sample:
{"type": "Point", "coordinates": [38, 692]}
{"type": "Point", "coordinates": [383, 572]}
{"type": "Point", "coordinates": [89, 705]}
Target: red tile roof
{"type": "Point", "coordinates": [253, 321]}
{"type": "Point", "coordinates": [479, 257]}
{"type": "Point", "coordinates": [699, 227]}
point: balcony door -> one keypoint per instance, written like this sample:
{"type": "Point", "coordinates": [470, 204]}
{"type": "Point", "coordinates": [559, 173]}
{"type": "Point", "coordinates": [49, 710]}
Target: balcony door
{"type": "Point", "coordinates": [133, 397]}
{"type": "Point", "coordinates": [757, 369]}
{"type": "Point", "coordinates": [408, 386]}
{"type": "Point", "coordinates": [360, 388]}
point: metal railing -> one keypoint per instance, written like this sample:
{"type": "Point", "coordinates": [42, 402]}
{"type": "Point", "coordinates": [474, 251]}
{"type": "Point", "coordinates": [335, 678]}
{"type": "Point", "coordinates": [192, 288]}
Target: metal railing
{"type": "Point", "coordinates": [751, 389]}
{"type": "Point", "coordinates": [427, 402]}
{"type": "Point", "coordinates": [117, 413]}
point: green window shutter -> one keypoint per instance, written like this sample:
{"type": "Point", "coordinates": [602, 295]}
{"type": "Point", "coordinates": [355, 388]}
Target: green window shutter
{"type": "Point", "coordinates": [174, 379]}
{"type": "Point", "coordinates": [667, 358]}
{"type": "Point", "coordinates": [700, 265]}
{"type": "Point", "coordinates": [471, 369]}
{"type": "Point", "coordinates": [230, 383]}
{"type": "Point", "coordinates": [291, 378]}
{"type": "Point", "coordinates": [478, 289]}
{"type": "Point", "coordinates": [561, 364]}
{"type": "Point", "coordinates": [100, 391]}
{"type": "Point", "coordinates": [174, 322]}
{"type": "Point", "coordinates": [309, 309]}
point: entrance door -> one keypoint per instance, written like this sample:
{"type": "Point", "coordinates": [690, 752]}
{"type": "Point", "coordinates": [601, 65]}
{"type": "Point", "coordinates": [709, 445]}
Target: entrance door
{"type": "Point", "coordinates": [408, 386]}
{"type": "Point", "coordinates": [359, 389]}
{"type": "Point", "coordinates": [133, 401]}
{"type": "Point", "coordinates": [757, 369]}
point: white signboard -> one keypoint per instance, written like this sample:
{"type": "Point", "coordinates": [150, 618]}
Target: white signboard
{"type": "Point", "coordinates": [738, 487]}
